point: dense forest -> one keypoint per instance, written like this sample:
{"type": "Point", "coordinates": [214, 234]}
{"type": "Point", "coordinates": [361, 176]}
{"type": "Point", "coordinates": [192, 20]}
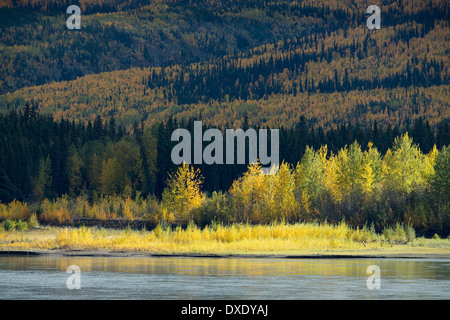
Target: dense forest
{"type": "Point", "coordinates": [365, 175]}
{"type": "Point", "coordinates": [270, 60]}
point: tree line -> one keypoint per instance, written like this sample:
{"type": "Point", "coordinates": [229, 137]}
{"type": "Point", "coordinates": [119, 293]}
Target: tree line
{"type": "Point", "coordinates": [363, 188]}
{"type": "Point", "coordinates": [45, 159]}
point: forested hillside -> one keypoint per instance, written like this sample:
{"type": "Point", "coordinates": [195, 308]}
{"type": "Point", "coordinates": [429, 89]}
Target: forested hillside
{"type": "Point", "coordinates": [270, 60]}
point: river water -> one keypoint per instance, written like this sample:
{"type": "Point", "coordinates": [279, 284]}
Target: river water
{"type": "Point", "coordinates": [180, 278]}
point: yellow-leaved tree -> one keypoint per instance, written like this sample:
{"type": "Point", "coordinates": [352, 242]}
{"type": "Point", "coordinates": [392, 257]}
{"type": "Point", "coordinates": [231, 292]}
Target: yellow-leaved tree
{"type": "Point", "coordinates": [183, 192]}
{"type": "Point", "coordinates": [309, 177]}
{"type": "Point", "coordinates": [406, 169]}
{"type": "Point", "coordinates": [283, 206]}
{"type": "Point", "coordinates": [249, 195]}
{"type": "Point", "coordinates": [372, 167]}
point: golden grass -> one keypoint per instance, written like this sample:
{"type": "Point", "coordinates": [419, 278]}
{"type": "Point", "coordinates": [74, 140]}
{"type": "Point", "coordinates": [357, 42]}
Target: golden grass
{"type": "Point", "coordinates": [220, 239]}
{"type": "Point", "coordinates": [298, 238]}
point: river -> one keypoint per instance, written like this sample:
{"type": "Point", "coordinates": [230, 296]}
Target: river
{"type": "Point", "coordinates": [182, 278]}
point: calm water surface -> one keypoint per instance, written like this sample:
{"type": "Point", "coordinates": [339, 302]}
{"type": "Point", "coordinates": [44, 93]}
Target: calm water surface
{"type": "Point", "coordinates": [45, 277]}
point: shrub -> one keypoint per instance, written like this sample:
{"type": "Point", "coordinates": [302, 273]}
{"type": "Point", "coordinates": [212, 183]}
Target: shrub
{"type": "Point", "coordinates": [33, 221]}
{"type": "Point", "coordinates": [214, 208]}
{"type": "Point", "coordinates": [398, 234]}
{"type": "Point", "coordinates": [9, 225]}
{"type": "Point", "coordinates": [21, 225]}
{"type": "Point", "coordinates": [14, 210]}
{"type": "Point", "coordinates": [410, 233]}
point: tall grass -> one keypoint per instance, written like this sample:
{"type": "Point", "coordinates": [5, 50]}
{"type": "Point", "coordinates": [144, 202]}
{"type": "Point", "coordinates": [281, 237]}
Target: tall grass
{"type": "Point", "coordinates": [275, 238]}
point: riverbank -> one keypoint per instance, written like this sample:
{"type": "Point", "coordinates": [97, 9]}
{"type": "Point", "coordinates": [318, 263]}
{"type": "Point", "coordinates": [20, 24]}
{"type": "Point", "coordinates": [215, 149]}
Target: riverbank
{"type": "Point", "coordinates": [386, 254]}
{"type": "Point", "coordinates": [235, 241]}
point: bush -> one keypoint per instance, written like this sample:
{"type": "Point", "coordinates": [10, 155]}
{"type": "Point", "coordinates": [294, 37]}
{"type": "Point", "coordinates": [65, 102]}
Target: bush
{"type": "Point", "coordinates": [410, 233]}
{"type": "Point", "coordinates": [21, 225]}
{"type": "Point", "coordinates": [399, 234]}
{"type": "Point", "coordinates": [215, 208]}
{"type": "Point", "coordinates": [14, 210]}
{"type": "Point", "coordinates": [9, 225]}
{"type": "Point", "coordinates": [33, 221]}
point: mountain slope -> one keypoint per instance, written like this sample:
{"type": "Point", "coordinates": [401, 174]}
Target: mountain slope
{"type": "Point", "coordinates": [271, 61]}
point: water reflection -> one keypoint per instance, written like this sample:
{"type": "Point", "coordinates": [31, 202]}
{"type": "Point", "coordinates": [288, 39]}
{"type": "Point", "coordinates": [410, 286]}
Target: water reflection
{"type": "Point", "coordinates": [45, 277]}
